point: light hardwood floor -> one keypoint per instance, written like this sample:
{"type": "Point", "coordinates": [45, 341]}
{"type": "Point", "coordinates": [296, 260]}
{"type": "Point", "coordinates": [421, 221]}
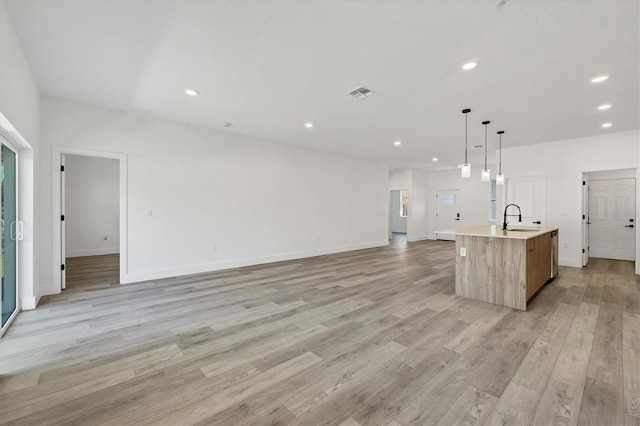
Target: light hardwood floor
{"type": "Point", "coordinates": [372, 337]}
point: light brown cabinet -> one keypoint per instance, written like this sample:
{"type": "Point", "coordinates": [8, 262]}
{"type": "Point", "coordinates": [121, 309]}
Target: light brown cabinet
{"type": "Point", "coordinates": [505, 268]}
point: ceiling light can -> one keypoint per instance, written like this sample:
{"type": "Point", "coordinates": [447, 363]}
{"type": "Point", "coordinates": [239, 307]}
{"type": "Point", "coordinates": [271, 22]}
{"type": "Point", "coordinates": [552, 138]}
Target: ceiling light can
{"type": "Point", "coordinates": [469, 65]}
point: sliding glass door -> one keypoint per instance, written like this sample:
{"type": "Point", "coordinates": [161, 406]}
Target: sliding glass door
{"type": "Point", "coordinates": [10, 234]}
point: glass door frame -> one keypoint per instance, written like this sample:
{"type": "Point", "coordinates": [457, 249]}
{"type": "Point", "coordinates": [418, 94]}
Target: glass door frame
{"type": "Point", "coordinates": [4, 141]}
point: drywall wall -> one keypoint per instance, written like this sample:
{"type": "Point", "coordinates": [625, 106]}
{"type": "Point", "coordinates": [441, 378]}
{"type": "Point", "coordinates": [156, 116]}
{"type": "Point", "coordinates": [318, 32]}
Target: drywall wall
{"type": "Point", "coordinates": [20, 104]}
{"type": "Point", "coordinates": [563, 164]}
{"type": "Point", "coordinates": [473, 196]}
{"type": "Point", "coordinates": [217, 200]}
{"type": "Point", "coordinates": [417, 226]}
{"type": "Point", "coordinates": [398, 222]}
{"type": "Point", "coordinates": [416, 182]}
{"type": "Point", "coordinates": [91, 206]}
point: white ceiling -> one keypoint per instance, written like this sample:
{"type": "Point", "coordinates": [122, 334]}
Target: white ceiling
{"type": "Point", "coordinates": [268, 67]}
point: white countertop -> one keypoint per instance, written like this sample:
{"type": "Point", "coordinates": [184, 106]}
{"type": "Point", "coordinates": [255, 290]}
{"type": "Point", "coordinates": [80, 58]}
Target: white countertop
{"type": "Point", "coordinates": [485, 231]}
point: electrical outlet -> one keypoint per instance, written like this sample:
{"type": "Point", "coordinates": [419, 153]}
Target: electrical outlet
{"type": "Point", "coordinates": [214, 248]}
{"type": "Point", "coordinates": [463, 251]}
{"type": "Point", "coordinates": [565, 245]}
{"type": "Point", "coordinates": [149, 212]}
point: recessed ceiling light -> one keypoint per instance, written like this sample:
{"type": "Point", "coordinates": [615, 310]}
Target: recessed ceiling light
{"type": "Point", "coordinates": [434, 159]}
{"type": "Point", "coordinates": [599, 78]}
{"type": "Point", "coordinates": [397, 143]}
{"type": "Point", "coordinates": [191, 92]}
{"type": "Point", "coordinates": [604, 106]}
{"type": "Point", "coordinates": [308, 125]}
{"type": "Point", "coordinates": [469, 65]}
{"type": "Point", "coordinates": [605, 125]}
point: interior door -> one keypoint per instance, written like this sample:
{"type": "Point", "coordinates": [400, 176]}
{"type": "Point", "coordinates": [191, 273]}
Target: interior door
{"type": "Point", "coordinates": [528, 192]}
{"type": "Point", "coordinates": [585, 220]}
{"type": "Point", "coordinates": [11, 231]}
{"type": "Point", "coordinates": [612, 214]}
{"type": "Point", "coordinates": [447, 213]}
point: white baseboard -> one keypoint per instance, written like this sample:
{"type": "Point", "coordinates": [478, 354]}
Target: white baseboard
{"type": "Point", "coordinates": [418, 238]}
{"type": "Point", "coordinates": [92, 252]}
{"type": "Point", "coordinates": [212, 267]}
{"type": "Point", "coordinates": [570, 262]}
{"type": "Point", "coordinates": [28, 303]}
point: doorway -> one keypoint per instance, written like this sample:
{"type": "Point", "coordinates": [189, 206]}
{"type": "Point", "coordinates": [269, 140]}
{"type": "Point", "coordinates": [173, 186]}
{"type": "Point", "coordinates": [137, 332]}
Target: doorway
{"type": "Point", "coordinates": [609, 224]}
{"type": "Point", "coordinates": [448, 208]}
{"type": "Point", "coordinates": [90, 219]}
{"type": "Point", "coordinates": [86, 237]}
{"type": "Point", "coordinates": [398, 214]}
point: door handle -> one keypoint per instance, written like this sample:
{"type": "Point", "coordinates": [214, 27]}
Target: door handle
{"type": "Point", "coordinates": [457, 218]}
{"type": "Point", "coordinates": [537, 222]}
{"type": "Point", "coordinates": [12, 231]}
{"type": "Point", "coordinates": [20, 231]}
{"type": "Point", "coordinates": [628, 226]}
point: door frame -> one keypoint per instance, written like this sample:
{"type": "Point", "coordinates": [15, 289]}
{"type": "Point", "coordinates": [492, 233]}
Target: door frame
{"type": "Point", "coordinates": [585, 219]}
{"type": "Point", "coordinates": [57, 208]}
{"type": "Point", "coordinates": [621, 173]}
{"type": "Point", "coordinates": [5, 141]}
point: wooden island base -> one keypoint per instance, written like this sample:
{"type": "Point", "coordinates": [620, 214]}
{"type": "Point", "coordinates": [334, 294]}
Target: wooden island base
{"type": "Point", "coordinates": [505, 268]}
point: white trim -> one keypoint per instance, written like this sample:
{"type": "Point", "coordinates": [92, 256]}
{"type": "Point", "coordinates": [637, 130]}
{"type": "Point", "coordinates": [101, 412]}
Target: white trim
{"type": "Point", "coordinates": [212, 267]}
{"type": "Point", "coordinates": [564, 261]}
{"type": "Point", "coordinates": [30, 303]}
{"type": "Point", "coordinates": [56, 208]}
{"type": "Point", "coordinates": [92, 252]}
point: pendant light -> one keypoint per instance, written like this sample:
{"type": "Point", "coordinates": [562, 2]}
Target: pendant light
{"type": "Point", "coordinates": [500, 176]}
{"type": "Point", "coordinates": [486, 173]}
{"type": "Point", "coordinates": [466, 167]}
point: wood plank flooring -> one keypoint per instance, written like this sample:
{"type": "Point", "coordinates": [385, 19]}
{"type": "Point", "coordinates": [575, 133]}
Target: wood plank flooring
{"type": "Point", "coordinates": [370, 337]}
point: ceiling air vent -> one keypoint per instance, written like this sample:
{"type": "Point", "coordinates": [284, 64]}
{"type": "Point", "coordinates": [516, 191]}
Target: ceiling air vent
{"type": "Point", "coordinates": [361, 92]}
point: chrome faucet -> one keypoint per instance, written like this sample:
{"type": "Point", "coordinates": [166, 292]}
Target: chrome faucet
{"type": "Point", "coordinates": [504, 220]}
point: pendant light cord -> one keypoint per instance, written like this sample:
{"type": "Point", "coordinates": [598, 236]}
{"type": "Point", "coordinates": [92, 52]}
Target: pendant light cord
{"type": "Point", "coordinates": [466, 127]}
{"type": "Point", "coordinates": [500, 167]}
{"type": "Point", "coordinates": [486, 124]}
{"type": "Point", "coordinates": [485, 147]}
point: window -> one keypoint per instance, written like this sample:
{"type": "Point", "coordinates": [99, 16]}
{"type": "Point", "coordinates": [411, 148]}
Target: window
{"type": "Point", "coordinates": [404, 203]}
{"type": "Point", "coordinates": [448, 199]}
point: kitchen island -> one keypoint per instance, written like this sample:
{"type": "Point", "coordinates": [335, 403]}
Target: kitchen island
{"type": "Point", "coordinates": [505, 268]}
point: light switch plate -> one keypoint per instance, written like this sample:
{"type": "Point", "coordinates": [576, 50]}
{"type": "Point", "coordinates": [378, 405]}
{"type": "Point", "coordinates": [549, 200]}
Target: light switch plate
{"type": "Point", "coordinates": [463, 251]}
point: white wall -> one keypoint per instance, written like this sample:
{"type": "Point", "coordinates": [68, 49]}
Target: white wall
{"type": "Point", "coordinates": [19, 103]}
{"type": "Point", "coordinates": [563, 163]}
{"type": "Point", "coordinates": [473, 197]}
{"type": "Point", "coordinates": [417, 227]}
{"type": "Point", "coordinates": [92, 206]}
{"type": "Point", "coordinates": [398, 223]}
{"type": "Point", "coordinates": [416, 182]}
{"type": "Point", "coordinates": [254, 201]}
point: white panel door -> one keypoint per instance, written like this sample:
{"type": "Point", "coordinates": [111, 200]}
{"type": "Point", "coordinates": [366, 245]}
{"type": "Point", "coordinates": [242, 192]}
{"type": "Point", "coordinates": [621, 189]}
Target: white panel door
{"type": "Point", "coordinates": [612, 213]}
{"type": "Point", "coordinates": [528, 192]}
{"type": "Point", "coordinates": [447, 212]}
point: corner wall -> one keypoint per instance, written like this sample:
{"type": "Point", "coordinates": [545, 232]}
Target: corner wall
{"type": "Point", "coordinates": [92, 206]}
